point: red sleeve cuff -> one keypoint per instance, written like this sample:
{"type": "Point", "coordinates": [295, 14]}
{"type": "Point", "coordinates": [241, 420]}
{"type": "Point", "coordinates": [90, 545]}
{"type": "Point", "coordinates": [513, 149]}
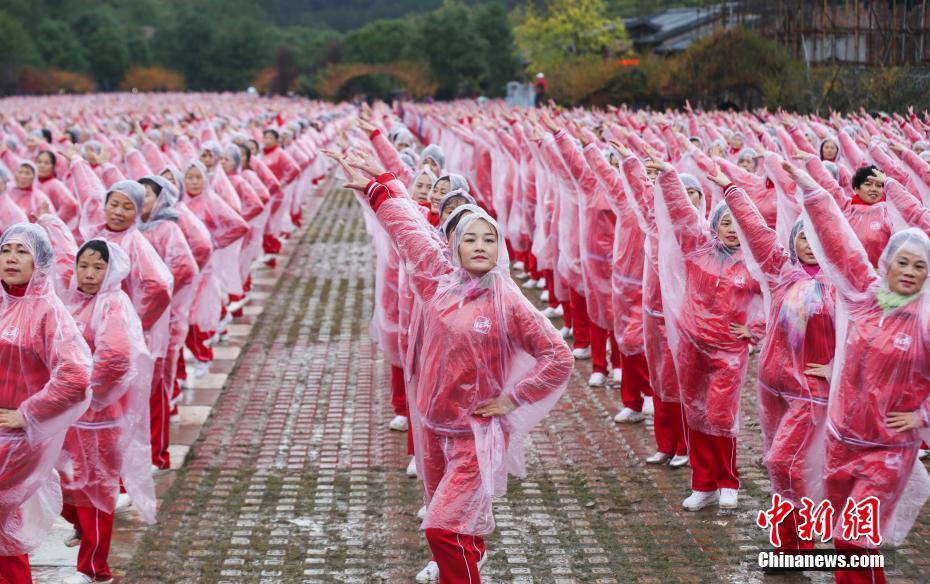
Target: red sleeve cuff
{"type": "Point", "coordinates": [729, 188]}
{"type": "Point", "coordinates": [376, 132]}
{"type": "Point", "coordinates": [385, 177]}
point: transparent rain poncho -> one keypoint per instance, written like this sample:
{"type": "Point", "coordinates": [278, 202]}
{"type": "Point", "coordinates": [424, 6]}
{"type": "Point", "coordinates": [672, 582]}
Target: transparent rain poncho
{"type": "Point", "coordinates": [799, 308]}
{"type": "Point", "coordinates": [705, 287]}
{"type": "Point", "coordinates": [881, 366]}
{"type": "Point", "coordinates": [150, 282]}
{"type": "Point", "coordinates": [227, 230]}
{"type": "Point", "coordinates": [46, 368]}
{"type": "Point", "coordinates": [481, 339]}
{"type": "Point", "coordinates": [111, 440]}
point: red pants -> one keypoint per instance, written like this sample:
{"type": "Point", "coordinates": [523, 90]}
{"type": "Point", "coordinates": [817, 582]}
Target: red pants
{"type": "Point", "coordinates": [96, 529]}
{"type": "Point", "coordinates": [713, 461]}
{"type": "Point", "coordinates": [15, 570]}
{"type": "Point", "coordinates": [788, 534]}
{"type": "Point", "coordinates": [159, 407]}
{"type": "Point", "coordinates": [862, 575]}
{"type": "Point", "coordinates": [635, 382]}
{"type": "Point", "coordinates": [457, 555]}
{"type": "Point", "coordinates": [531, 268]}
{"type": "Point", "coordinates": [599, 338]}
{"type": "Point", "coordinates": [550, 287]}
{"type": "Point", "coordinates": [271, 244]}
{"type": "Point", "coordinates": [398, 391]}
{"type": "Point", "coordinates": [196, 342]}
{"type": "Point", "coordinates": [581, 323]}
{"type": "Point", "coordinates": [669, 426]}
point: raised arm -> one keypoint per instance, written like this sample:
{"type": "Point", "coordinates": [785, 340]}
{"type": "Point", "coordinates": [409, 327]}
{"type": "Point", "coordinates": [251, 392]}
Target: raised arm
{"type": "Point", "coordinates": [887, 162]}
{"type": "Point", "coordinates": [851, 150]}
{"type": "Point", "coordinates": [686, 222]}
{"type": "Point", "coordinates": [640, 194]}
{"type": "Point", "coordinates": [838, 250]}
{"type": "Point", "coordinates": [417, 244]}
{"type": "Point", "coordinates": [907, 205]}
{"type": "Point", "coordinates": [822, 176]}
{"type": "Point", "coordinates": [758, 238]}
{"type": "Point", "coordinates": [917, 164]}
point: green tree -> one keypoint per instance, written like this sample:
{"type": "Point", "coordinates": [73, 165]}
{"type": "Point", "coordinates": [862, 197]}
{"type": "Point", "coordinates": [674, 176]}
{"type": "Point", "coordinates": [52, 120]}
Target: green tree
{"type": "Point", "coordinates": [240, 48]}
{"type": "Point", "coordinates": [104, 47]}
{"type": "Point", "coordinates": [491, 23]}
{"type": "Point", "coordinates": [16, 52]}
{"type": "Point", "coordinates": [454, 50]}
{"type": "Point", "coordinates": [381, 41]}
{"type": "Point", "coordinates": [568, 27]}
{"type": "Point", "coordinates": [59, 46]}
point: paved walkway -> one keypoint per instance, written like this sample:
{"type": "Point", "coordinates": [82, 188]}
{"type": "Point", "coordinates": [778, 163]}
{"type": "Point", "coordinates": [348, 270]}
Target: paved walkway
{"type": "Point", "coordinates": [296, 478]}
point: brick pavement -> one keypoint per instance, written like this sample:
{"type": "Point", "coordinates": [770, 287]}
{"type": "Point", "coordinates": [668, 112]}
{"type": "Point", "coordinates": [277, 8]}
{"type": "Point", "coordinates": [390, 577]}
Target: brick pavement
{"type": "Point", "coordinates": [296, 478]}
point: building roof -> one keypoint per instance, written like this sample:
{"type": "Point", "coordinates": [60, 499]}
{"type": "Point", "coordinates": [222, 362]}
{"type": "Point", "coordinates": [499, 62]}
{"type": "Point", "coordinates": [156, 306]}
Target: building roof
{"type": "Point", "coordinates": [652, 30]}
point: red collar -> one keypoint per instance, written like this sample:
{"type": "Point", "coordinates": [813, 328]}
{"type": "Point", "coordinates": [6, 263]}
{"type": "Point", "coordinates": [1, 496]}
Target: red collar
{"type": "Point", "coordinates": [46, 179]}
{"type": "Point", "coordinates": [18, 291]}
{"type": "Point", "coordinates": [269, 150]}
{"type": "Point", "coordinates": [857, 201]}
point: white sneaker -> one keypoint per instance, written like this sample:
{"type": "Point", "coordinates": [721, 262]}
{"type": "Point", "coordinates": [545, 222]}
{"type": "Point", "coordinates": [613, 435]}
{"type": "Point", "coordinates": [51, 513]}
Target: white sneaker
{"type": "Point", "coordinates": [182, 383]}
{"type": "Point", "coordinates": [544, 296]}
{"type": "Point", "coordinates": [123, 504]}
{"type": "Point", "coordinates": [729, 498]}
{"type": "Point", "coordinates": [74, 539]}
{"type": "Point", "coordinates": [597, 380]}
{"type": "Point", "coordinates": [582, 354]}
{"type": "Point", "coordinates": [565, 332]}
{"type": "Point", "coordinates": [421, 514]}
{"type": "Point", "coordinates": [649, 407]}
{"type": "Point", "coordinates": [518, 266]}
{"type": "Point", "coordinates": [174, 418]}
{"type": "Point", "coordinates": [156, 471]}
{"type": "Point", "coordinates": [237, 305]}
{"type": "Point", "coordinates": [412, 467]}
{"type": "Point", "coordinates": [922, 454]}
{"type": "Point", "coordinates": [616, 376]}
{"type": "Point", "coordinates": [399, 424]}
{"type": "Point", "coordinates": [679, 460]}
{"type": "Point", "coordinates": [429, 574]}
{"type": "Point", "coordinates": [201, 368]}
{"type": "Point", "coordinates": [560, 311]}
{"type": "Point", "coordinates": [629, 416]}
{"type": "Point", "coordinates": [659, 458]}
{"type": "Point", "coordinates": [541, 284]}
{"type": "Point", "coordinates": [81, 578]}
{"type": "Point", "coordinates": [549, 312]}
{"type": "Point", "coordinates": [529, 284]}
{"type": "Point", "coordinates": [521, 275]}
{"type": "Point", "coordinates": [700, 499]}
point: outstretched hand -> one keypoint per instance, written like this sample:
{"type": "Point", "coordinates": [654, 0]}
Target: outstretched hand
{"type": "Point", "coordinates": [719, 177]}
{"type": "Point", "coordinates": [356, 180]}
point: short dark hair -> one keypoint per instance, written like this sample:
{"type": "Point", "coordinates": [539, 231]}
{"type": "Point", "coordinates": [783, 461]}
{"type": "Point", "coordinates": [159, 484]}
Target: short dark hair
{"type": "Point", "coordinates": [862, 175]}
{"type": "Point", "coordinates": [147, 182]}
{"type": "Point", "coordinates": [47, 134]}
{"type": "Point", "coordinates": [51, 156]}
{"type": "Point", "coordinates": [97, 245]}
{"type": "Point", "coordinates": [274, 133]}
{"type": "Point", "coordinates": [454, 222]}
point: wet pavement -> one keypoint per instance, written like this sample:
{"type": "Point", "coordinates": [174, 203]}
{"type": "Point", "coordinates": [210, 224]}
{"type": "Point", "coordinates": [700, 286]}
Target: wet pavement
{"type": "Point", "coordinates": [295, 477]}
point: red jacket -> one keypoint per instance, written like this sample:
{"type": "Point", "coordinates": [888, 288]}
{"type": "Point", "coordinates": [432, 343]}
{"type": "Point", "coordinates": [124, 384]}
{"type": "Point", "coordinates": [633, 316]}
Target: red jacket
{"type": "Point", "coordinates": [281, 164]}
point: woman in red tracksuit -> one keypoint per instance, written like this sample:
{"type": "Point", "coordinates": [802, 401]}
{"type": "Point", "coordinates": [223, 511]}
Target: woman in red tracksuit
{"type": "Point", "coordinates": [490, 368]}
{"type": "Point", "coordinates": [254, 211]}
{"type": "Point", "coordinates": [226, 227]}
{"type": "Point", "coordinates": [626, 287]}
{"type": "Point", "coordinates": [44, 374]}
{"type": "Point", "coordinates": [64, 201]}
{"type": "Point", "coordinates": [671, 445]}
{"type": "Point", "coordinates": [111, 440]}
{"type": "Point", "coordinates": [160, 226]}
{"type": "Point", "coordinates": [794, 374]}
{"type": "Point", "coordinates": [597, 225]}
{"type": "Point", "coordinates": [878, 410]}
{"type": "Point", "coordinates": [708, 295]}
{"type": "Point", "coordinates": [866, 211]}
